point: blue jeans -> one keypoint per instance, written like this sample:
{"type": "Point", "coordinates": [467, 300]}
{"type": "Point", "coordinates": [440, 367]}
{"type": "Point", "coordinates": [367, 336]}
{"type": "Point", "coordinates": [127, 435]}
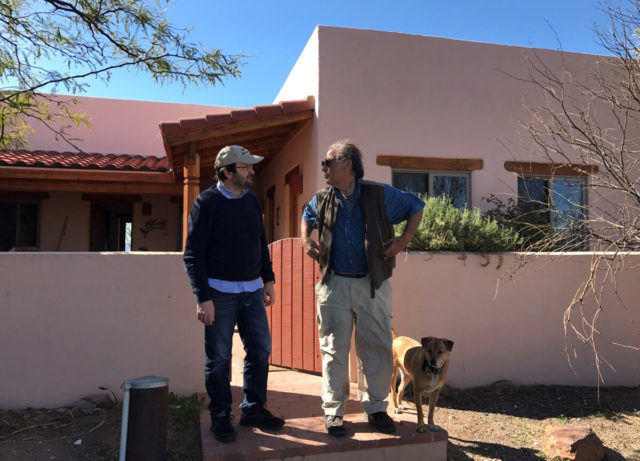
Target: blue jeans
{"type": "Point", "coordinates": [247, 311]}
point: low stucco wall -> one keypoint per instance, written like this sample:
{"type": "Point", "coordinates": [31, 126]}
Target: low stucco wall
{"type": "Point", "coordinates": [505, 316]}
{"type": "Point", "coordinates": [72, 322]}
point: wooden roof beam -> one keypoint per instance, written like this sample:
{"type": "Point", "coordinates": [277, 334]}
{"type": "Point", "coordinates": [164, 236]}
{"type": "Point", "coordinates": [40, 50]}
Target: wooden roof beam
{"type": "Point", "coordinates": [234, 128]}
{"type": "Point", "coordinates": [94, 187]}
{"type": "Point", "coordinates": [430, 163]}
{"type": "Point", "coordinates": [14, 172]}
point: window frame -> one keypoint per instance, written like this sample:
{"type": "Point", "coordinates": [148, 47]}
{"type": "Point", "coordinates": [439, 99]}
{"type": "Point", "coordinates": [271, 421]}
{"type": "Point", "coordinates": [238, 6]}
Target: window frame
{"type": "Point", "coordinates": [550, 180]}
{"type": "Point", "coordinates": [431, 173]}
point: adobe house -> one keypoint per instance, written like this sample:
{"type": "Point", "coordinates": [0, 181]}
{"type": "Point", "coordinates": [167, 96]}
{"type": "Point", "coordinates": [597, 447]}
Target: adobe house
{"type": "Point", "coordinates": [124, 181]}
{"type": "Point", "coordinates": [430, 114]}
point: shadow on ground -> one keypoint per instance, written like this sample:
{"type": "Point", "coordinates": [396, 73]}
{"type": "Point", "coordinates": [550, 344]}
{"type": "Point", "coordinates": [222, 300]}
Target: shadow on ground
{"type": "Point", "coordinates": [491, 451]}
{"type": "Point", "coordinates": [503, 452]}
{"type": "Point", "coordinates": [542, 402]}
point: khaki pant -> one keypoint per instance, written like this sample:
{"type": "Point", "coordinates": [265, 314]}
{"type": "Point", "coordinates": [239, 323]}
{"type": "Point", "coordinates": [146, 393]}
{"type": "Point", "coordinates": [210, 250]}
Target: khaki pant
{"type": "Point", "coordinates": [343, 302]}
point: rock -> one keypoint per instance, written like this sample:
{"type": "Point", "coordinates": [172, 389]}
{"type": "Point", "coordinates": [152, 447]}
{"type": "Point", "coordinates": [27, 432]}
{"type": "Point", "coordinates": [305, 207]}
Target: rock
{"type": "Point", "coordinates": [89, 404]}
{"type": "Point", "coordinates": [576, 443]}
{"type": "Point", "coordinates": [84, 406]}
{"type": "Point", "coordinates": [100, 399]}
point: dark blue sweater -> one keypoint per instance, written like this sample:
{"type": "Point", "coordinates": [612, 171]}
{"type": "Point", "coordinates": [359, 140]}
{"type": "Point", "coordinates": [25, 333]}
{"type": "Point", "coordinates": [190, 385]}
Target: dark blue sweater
{"type": "Point", "coordinates": [226, 240]}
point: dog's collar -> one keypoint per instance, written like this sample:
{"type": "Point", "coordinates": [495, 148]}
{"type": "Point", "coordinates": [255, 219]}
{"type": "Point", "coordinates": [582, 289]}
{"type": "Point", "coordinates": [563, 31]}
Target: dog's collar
{"type": "Point", "coordinates": [432, 369]}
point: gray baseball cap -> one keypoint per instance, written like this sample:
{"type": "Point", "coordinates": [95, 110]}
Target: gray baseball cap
{"type": "Point", "coordinates": [234, 154]}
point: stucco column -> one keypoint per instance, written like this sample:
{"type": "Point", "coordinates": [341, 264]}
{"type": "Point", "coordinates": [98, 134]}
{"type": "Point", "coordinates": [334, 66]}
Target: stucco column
{"type": "Point", "coordinates": [190, 189]}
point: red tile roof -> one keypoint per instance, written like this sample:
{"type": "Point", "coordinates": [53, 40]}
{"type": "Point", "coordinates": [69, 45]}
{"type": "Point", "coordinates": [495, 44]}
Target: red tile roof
{"type": "Point", "coordinates": [74, 160]}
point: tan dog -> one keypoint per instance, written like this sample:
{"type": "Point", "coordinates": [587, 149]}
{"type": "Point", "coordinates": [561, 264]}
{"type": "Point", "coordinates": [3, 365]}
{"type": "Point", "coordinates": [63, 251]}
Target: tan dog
{"type": "Point", "coordinates": [426, 365]}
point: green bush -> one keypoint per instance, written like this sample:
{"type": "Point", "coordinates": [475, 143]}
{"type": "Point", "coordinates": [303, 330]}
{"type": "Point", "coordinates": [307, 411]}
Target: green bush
{"type": "Point", "coordinates": [445, 228]}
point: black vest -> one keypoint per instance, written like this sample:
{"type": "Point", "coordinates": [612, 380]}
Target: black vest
{"type": "Point", "coordinates": [376, 224]}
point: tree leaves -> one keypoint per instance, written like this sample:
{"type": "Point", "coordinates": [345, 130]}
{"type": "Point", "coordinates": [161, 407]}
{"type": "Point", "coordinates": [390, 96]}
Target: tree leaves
{"type": "Point", "coordinates": [51, 44]}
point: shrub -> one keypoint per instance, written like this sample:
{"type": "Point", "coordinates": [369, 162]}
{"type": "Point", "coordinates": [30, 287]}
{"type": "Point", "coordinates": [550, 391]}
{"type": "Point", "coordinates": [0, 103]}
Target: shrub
{"type": "Point", "coordinates": [445, 228]}
{"type": "Point", "coordinates": [531, 222]}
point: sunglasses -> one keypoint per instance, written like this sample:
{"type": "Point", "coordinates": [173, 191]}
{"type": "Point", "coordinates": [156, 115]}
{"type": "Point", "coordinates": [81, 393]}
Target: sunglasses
{"type": "Point", "coordinates": [329, 161]}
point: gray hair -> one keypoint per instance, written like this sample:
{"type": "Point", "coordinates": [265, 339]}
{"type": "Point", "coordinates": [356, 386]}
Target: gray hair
{"type": "Point", "coordinates": [345, 149]}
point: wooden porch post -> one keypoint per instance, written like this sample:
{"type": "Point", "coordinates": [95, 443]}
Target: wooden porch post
{"type": "Point", "coordinates": [191, 187]}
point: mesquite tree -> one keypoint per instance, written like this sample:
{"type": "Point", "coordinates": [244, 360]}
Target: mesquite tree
{"type": "Point", "coordinates": [47, 45]}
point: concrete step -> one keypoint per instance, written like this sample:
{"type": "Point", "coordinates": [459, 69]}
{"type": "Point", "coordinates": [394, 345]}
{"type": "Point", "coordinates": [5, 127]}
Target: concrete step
{"type": "Point", "coordinates": [295, 396]}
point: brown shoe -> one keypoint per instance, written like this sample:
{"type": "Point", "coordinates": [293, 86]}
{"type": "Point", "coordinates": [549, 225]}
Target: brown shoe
{"type": "Point", "coordinates": [335, 425]}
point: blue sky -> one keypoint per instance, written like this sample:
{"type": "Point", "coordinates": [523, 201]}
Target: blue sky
{"type": "Point", "coordinates": [272, 33]}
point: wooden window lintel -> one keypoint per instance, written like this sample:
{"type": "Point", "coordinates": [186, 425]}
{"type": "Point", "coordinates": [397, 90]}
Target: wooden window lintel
{"type": "Point", "coordinates": [430, 163]}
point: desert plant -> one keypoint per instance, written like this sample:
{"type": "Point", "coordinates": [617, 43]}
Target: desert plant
{"type": "Point", "coordinates": [446, 228]}
{"type": "Point", "coordinates": [531, 223]}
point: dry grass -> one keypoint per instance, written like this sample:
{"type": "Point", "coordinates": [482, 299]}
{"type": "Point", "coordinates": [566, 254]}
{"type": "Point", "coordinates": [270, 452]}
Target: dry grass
{"type": "Point", "coordinates": [498, 422]}
{"type": "Point", "coordinates": [506, 422]}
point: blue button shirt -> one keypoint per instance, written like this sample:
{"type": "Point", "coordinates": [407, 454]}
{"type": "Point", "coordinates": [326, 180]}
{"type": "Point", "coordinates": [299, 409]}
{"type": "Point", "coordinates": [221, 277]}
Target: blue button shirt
{"type": "Point", "coordinates": [227, 286]}
{"type": "Point", "coordinates": [347, 250]}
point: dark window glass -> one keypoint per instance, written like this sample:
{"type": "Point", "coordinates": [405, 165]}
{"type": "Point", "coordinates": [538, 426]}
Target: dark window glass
{"type": "Point", "coordinates": [556, 202]}
{"type": "Point", "coordinates": [411, 182]}
{"type": "Point", "coordinates": [8, 223]}
{"type": "Point", "coordinates": [533, 199]}
{"type": "Point", "coordinates": [453, 186]}
{"type": "Point", "coordinates": [18, 225]}
{"type": "Point", "coordinates": [568, 207]}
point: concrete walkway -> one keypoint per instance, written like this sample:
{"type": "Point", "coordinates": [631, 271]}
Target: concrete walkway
{"type": "Point", "coordinates": [295, 396]}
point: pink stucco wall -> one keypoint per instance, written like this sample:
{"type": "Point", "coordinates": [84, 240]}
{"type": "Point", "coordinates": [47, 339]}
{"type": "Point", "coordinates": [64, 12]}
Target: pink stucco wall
{"type": "Point", "coordinates": [506, 317]}
{"type": "Point", "coordinates": [54, 235]}
{"type": "Point", "coordinates": [301, 83]}
{"type": "Point", "coordinates": [72, 322]}
{"type": "Point", "coordinates": [161, 238]}
{"type": "Point", "coordinates": [119, 126]}
{"type": "Point", "coordinates": [411, 95]}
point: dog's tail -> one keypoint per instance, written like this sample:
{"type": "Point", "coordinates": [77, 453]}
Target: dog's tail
{"type": "Point", "coordinates": [394, 335]}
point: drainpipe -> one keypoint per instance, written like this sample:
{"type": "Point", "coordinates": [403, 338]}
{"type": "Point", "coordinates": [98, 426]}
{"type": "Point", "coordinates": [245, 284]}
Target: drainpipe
{"type": "Point", "coordinates": [125, 421]}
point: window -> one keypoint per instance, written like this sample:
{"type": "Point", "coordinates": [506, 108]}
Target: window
{"type": "Point", "coordinates": [435, 184]}
{"type": "Point", "coordinates": [559, 202]}
{"type": "Point", "coordinates": [19, 225]}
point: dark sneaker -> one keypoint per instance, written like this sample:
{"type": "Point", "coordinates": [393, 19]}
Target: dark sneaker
{"type": "Point", "coordinates": [382, 423]}
{"type": "Point", "coordinates": [222, 428]}
{"type": "Point", "coordinates": [335, 425]}
{"type": "Point", "coordinates": [262, 418]}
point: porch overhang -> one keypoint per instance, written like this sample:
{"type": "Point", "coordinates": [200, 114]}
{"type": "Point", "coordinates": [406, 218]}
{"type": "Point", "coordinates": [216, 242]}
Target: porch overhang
{"type": "Point", "coordinates": [192, 144]}
{"type": "Point", "coordinates": [263, 130]}
{"type": "Point", "coordinates": [67, 180]}
{"type": "Point", "coordinates": [81, 172]}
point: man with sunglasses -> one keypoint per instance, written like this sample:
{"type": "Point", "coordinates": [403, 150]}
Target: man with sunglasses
{"type": "Point", "coordinates": [229, 268]}
{"type": "Point", "coordinates": [356, 253]}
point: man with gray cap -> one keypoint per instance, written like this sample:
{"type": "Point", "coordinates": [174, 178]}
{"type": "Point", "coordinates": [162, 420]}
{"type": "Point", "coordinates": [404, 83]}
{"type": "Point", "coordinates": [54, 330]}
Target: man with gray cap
{"type": "Point", "coordinates": [229, 268]}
